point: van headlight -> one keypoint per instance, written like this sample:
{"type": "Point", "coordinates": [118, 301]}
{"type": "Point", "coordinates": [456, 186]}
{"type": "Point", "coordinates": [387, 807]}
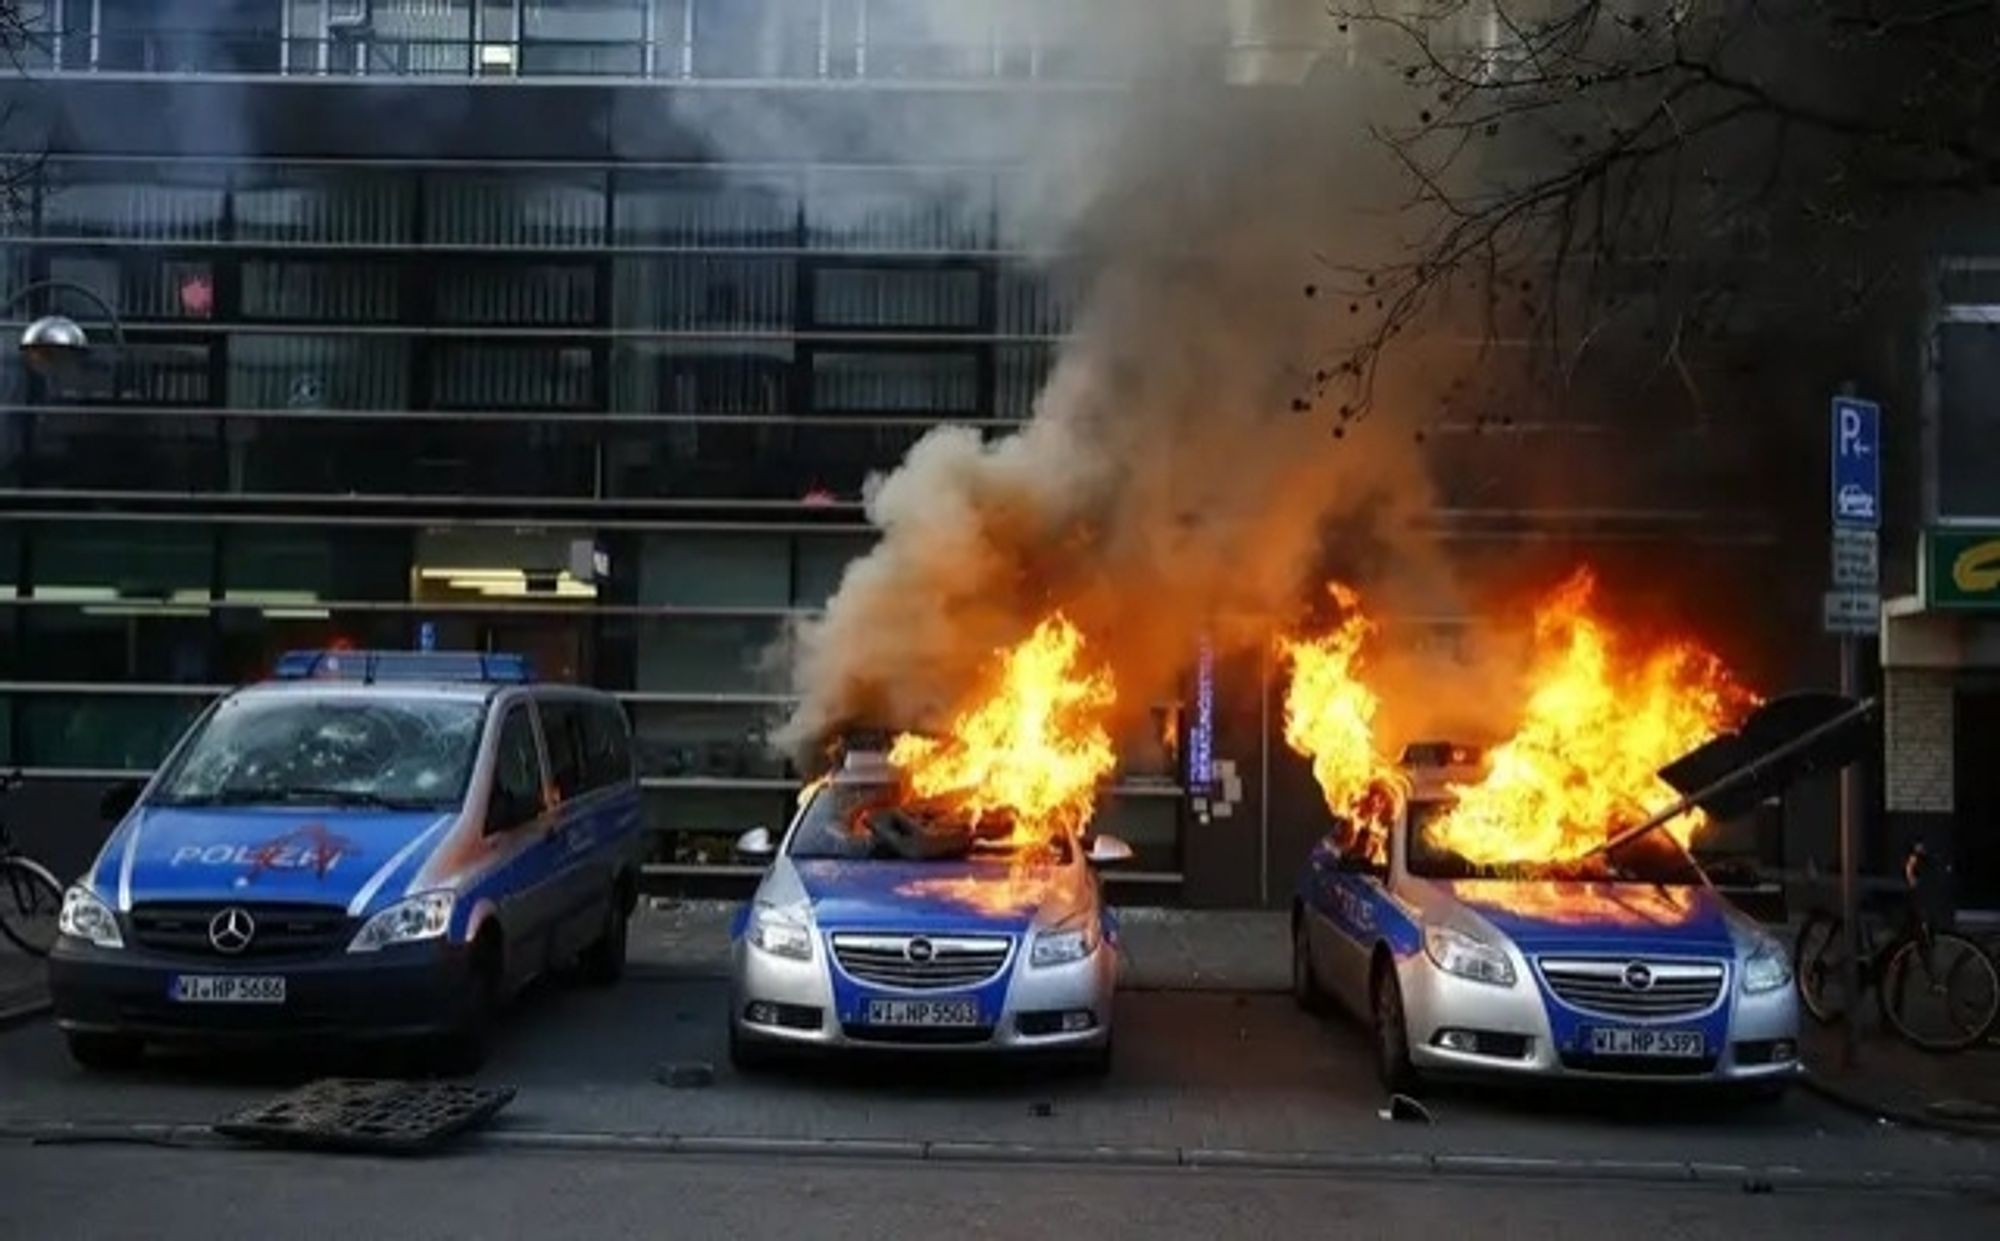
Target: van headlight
{"type": "Point", "coordinates": [1467, 956]}
{"type": "Point", "coordinates": [782, 932]}
{"type": "Point", "coordinates": [407, 922]}
{"type": "Point", "coordinates": [89, 919]}
{"type": "Point", "coordinates": [1067, 942]}
{"type": "Point", "coordinates": [1766, 968]}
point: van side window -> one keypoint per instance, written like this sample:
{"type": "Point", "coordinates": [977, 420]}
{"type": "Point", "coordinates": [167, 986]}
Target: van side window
{"type": "Point", "coordinates": [608, 745]}
{"type": "Point", "coordinates": [563, 734]}
{"type": "Point", "coordinates": [517, 772]}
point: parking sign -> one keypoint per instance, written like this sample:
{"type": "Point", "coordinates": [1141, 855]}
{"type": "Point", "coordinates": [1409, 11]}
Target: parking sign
{"type": "Point", "coordinates": [1857, 463]}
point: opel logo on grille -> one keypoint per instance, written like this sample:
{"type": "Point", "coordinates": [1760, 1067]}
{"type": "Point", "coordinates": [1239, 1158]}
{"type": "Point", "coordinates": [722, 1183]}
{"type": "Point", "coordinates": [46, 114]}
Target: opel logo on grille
{"type": "Point", "coordinates": [1638, 977]}
{"type": "Point", "coordinates": [231, 930]}
{"type": "Point", "coordinates": [920, 951]}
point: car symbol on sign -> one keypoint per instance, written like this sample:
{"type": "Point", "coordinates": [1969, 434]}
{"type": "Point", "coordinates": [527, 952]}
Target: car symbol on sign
{"type": "Point", "coordinates": [1854, 501]}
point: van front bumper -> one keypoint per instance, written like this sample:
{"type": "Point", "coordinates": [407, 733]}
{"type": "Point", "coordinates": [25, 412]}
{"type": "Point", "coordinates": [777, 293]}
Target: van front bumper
{"type": "Point", "coordinates": [404, 991]}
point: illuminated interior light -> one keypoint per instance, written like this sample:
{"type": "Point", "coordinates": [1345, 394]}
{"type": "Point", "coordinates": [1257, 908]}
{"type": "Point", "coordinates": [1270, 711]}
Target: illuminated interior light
{"type": "Point", "coordinates": [297, 614]}
{"type": "Point", "coordinates": [75, 594]}
{"type": "Point", "coordinates": [496, 55]}
{"type": "Point", "coordinates": [141, 609]}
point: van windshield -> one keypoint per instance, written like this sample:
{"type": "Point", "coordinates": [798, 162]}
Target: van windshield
{"type": "Point", "coordinates": [396, 753]}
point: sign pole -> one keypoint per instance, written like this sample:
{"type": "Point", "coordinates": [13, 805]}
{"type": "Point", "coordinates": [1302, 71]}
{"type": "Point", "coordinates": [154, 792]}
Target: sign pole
{"type": "Point", "coordinates": [1850, 916]}
{"type": "Point", "coordinates": [1853, 612]}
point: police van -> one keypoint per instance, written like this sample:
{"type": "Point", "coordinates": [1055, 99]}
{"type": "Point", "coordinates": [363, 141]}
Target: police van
{"type": "Point", "coordinates": [369, 845]}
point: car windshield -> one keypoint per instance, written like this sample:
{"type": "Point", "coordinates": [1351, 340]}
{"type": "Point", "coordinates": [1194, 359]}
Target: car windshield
{"type": "Point", "coordinates": [1653, 858]}
{"type": "Point", "coordinates": [265, 749]}
{"type": "Point", "coordinates": [875, 822]}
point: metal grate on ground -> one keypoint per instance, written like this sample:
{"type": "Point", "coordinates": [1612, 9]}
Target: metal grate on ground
{"type": "Point", "coordinates": [391, 1117]}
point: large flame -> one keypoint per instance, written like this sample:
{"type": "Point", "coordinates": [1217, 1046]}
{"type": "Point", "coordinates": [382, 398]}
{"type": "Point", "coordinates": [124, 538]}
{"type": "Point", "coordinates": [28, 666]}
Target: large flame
{"type": "Point", "coordinates": [1599, 721]}
{"type": "Point", "coordinates": [1033, 749]}
{"type": "Point", "coordinates": [1330, 717]}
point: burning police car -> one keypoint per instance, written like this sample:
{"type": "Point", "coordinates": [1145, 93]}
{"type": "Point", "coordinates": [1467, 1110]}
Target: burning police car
{"type": "Point", "coordinates": [890, 924]}
{"type": "Point", "coordinates": [1626, 964]}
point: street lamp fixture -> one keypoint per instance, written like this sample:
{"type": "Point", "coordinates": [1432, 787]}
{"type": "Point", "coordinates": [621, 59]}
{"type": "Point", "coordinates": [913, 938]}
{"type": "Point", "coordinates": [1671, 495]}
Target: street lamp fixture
{"type": "Point", "coordinates": [56, 343]}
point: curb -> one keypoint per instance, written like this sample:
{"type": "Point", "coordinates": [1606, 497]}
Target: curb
{"type": "Point", "coordinates": [1874, 1110]}
{"type": "Point", "coordinates": [16, 1011]}
{"type": "Point", "coordinates": [1749, 1178]}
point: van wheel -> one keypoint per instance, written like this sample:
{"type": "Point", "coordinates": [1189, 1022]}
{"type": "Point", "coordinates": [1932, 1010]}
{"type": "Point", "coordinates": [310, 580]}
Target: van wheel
{"type": "Point", "coordinates": [464, 1051]}
{"type": "Point", "coordinates": [1392, 1034]}
{"type": "Point", "coordinates": [603, 963]}
{"type": "Point", "coordinates": [105, 1052]}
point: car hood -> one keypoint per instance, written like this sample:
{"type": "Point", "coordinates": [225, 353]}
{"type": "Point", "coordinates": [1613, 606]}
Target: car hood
{"type": "Point", "coordinates": [929, 896]}
{"type": "Point", "coordinates": [1606, 917]}
{"type": "Point", "coordinates": [320, 856]}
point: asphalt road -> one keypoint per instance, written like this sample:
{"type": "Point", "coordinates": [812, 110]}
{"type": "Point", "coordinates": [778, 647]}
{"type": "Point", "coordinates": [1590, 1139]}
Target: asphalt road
{"type": "Point", "coordinates": [216, 1196]}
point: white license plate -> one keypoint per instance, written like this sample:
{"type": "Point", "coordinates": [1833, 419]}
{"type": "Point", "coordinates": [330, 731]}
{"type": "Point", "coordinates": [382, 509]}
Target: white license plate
{"type": "Point", "coordinates": [228, 989]}
{"type": "Point", "coordinates": [923, 1012]}
{"type": "Point", "coordinates": [1685, 1044]}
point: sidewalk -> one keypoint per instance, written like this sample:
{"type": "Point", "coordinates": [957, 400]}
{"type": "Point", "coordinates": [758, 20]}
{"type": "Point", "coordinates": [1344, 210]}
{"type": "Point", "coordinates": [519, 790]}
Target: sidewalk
{"type": "Point", "coordinates": [1896, 1082]}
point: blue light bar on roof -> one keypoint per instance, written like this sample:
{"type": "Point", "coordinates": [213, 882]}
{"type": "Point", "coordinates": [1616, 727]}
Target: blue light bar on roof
{"type": "Point", "coordinates": [370, 667]}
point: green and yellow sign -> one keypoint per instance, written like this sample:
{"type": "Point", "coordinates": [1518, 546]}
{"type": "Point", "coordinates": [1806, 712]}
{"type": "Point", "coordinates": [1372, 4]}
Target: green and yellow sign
{"type": "Point", "coordinates": [1962, 569]}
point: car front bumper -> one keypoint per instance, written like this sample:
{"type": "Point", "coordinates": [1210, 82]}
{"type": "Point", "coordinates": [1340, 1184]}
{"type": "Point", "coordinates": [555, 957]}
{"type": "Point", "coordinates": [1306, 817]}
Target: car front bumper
{"type": "Point", "coordinates": [1757, 1041]}
{"type": "Point", "coordinates": [781, 1002]}
{"type": "Point", "coordinates": [404, 991]}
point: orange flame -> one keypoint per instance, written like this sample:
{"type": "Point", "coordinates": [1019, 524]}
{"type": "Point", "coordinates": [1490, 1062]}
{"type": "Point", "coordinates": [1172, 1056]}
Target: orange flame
{"type": "Point", "coordinates": [1035, 748]}
{"type": "Point", "coordinates": [1599, 722]}
{"type": "Point", "coordinates": [1330, 718]}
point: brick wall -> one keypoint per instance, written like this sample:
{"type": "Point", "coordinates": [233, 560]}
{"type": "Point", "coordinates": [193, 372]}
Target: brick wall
{"type": "Point", "coordinates": [1917, 732]}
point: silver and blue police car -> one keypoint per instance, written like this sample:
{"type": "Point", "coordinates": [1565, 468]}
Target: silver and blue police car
{"type": "Point", "coordinates": [1639, 970]}
{"type": "Point", "coordinates": [879, 925]}
{"type": "Point", "coordinates": [379, 845]}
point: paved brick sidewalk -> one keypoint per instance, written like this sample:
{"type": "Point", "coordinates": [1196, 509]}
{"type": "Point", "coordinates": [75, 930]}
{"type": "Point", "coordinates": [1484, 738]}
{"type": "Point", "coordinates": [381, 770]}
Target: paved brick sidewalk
{"type": "Point", "coordinates": [1894, 1080]}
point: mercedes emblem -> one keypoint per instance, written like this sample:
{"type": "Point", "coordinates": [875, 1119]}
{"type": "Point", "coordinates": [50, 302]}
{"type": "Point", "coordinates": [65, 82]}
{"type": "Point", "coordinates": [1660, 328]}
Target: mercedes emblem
{"type": "Point", "coordinates": [231, 930]}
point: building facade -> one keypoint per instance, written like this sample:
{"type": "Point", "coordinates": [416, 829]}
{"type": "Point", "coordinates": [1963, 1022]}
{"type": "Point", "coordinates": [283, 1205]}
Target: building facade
{"type": "Point", "coordinates": [453, 322]}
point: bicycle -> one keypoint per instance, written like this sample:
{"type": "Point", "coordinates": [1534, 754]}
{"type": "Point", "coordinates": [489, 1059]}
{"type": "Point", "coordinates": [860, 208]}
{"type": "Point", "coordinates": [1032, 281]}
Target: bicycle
{"type": "Point", "coordinates": [1917, 971]}
{"type": "Point", "coordinates": [30, 897]}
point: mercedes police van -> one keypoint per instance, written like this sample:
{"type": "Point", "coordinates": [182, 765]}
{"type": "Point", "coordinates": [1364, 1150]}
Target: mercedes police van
{"type": "Point", "coordinates": [369, 845]}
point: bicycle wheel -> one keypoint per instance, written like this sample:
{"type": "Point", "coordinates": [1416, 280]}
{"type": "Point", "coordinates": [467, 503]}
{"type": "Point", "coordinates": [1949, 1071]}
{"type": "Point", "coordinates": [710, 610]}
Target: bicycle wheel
{"type": "Point", "coordinates": [30, 903]}
{"type": "Point", "coordinates": [1943, 999]}
{"type": "Point", "coordinates": [1820, 957]}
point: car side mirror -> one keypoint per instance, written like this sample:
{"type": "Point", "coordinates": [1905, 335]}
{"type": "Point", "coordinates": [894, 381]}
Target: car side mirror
{"type": "Point", "coordinates": [119, 799]}
{"type": "Point", "coordinates": [756, 845]}
{"type": "Point", "coordinates": [1109, 851]}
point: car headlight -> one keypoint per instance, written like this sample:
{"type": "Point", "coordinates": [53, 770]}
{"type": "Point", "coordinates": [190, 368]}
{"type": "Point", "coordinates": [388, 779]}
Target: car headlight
{"type": "Point", "coordinates": [407, 922]}
{"type": "Point", "coordinates": [1065, 942]}
{"type": "Point", "coordinates": [89, 919]}
{"type": "Point", "coordinates": [782, 932]}
{"type": "Point", "coordinates": [1455, 952]}
{"type": "Point", "coordinates": [1766, 968]}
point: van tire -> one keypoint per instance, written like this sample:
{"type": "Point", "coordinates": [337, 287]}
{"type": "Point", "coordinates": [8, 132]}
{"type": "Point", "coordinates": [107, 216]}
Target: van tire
{"type": "Point", "coordinates": [107, 1053]}
{"type": "Point", "coordinates": [603, 963]}
{"type": "Point", "coordinates": [464, 1051]}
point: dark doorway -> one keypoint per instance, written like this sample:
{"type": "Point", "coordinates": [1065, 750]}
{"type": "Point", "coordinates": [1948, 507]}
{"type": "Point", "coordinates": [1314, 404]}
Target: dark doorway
{"type": "Point", "coordinates": [1976, 759]}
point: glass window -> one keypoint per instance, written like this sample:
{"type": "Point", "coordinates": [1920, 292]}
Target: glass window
{"type": "Point", "coordinates": [935, 211]}
{"type": "Point", "coordinates": [400, 36]}
{"type": "Point", "coordinates": [301, 565]}
{"type": "Point", "coordinates": [312, 291]}
{"type": "Point", "coordinates": [1030, 303]}
{"type": "Point", "coordinates": [607, 741]}
{"type": "Point", "coordinates": [253, 637]}
{"type": "Point", "coordinates": [515, 209]}
{"type": "Point", "coordinates": [756, 38]}
{"type": "Point", "coordinates": [153, 202]}
{"type": "Point", "coordinates": [318, 372]}
{"type": "Point", "coordinates": [722, 741]}
{"type": "Point", "coordinates": [582, 36]}
{"type": "Point", "coordinates": [139, 286]}
{"type": "Point", "coordinates": [699, 827]}
{"type": "Point", "coordinates": [537, 294]}
{"type": "Point", "coordinates": [709, 655]}
{"type": "Point", "coordinates": [517, 768]}
{"type": "Point", "coordinates": [928, 39]}
{"type": "Point", "coordinates": [760, 461]}
{"type": "Point", "coordinates": [10, 558]}
{"type": "Point", "coordinates": [353, 206]}
{"type": "Point", "coordinates": [146, 36]}
{"type": "Point", "coordinates": [896, 297]}
{"type": "Point", "coordinates": [101, 561]}
{"type": "Point", "coordinates": [702, 292]}
{"type": "Point", "coordinates": [511, 376]}
{"type": "Point", "coordinates": [120, 452]}
{"type": "Point", "coordinates": [1968, 420]}
{"type": "Point", "coordinates": [696, 208]}
{"type": "Point", "coordinates": [681, 378]}
{"type": "Point", "coordinates": [1020, 372]}
{"type": "Point", "coordinates": [122, 732]}
{"type": "Point", "coordinates": [261, 748]}
{"type": "Point", "coordinates": [701, 569]}
{"type": "Point", "coordinates": [904, 383]}
{"type": "Point", "coordinates": [823, 558]}
{"type": "Point", "coordinates": [1151, 825]}
{"type": "Point", "coordinates": [320, 456]}
{"type": "Point", "coordinates": [150, 372]}
{"type": "Point", "coordinates": [118, 642]}
{"type": "Point", "coordinates": [562, 740]}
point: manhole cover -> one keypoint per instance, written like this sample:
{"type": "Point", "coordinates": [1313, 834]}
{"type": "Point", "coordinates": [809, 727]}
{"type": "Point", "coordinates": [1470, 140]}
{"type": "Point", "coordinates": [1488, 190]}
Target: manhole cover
{"type": "Point", "coordinates": [368, 1115]}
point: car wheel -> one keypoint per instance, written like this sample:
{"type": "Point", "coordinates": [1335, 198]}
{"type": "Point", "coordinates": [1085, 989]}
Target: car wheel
{"type": "Point", "coordinates": [464, 1051]}
{"type": "Point", "coordinates": [1392, 1034]}
{"type": "Point", "coordinates": [1306, 991]}
{"type": "Point", "coordinates": [604, 961]}
{"type": "Point", "coordinates": [105, 1052]}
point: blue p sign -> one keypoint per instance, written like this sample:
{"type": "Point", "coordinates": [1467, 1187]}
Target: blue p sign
{"type": "Point", "coordinates": [427, 636]}
{"type": "Point", "coordinates": [1857, 463]}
